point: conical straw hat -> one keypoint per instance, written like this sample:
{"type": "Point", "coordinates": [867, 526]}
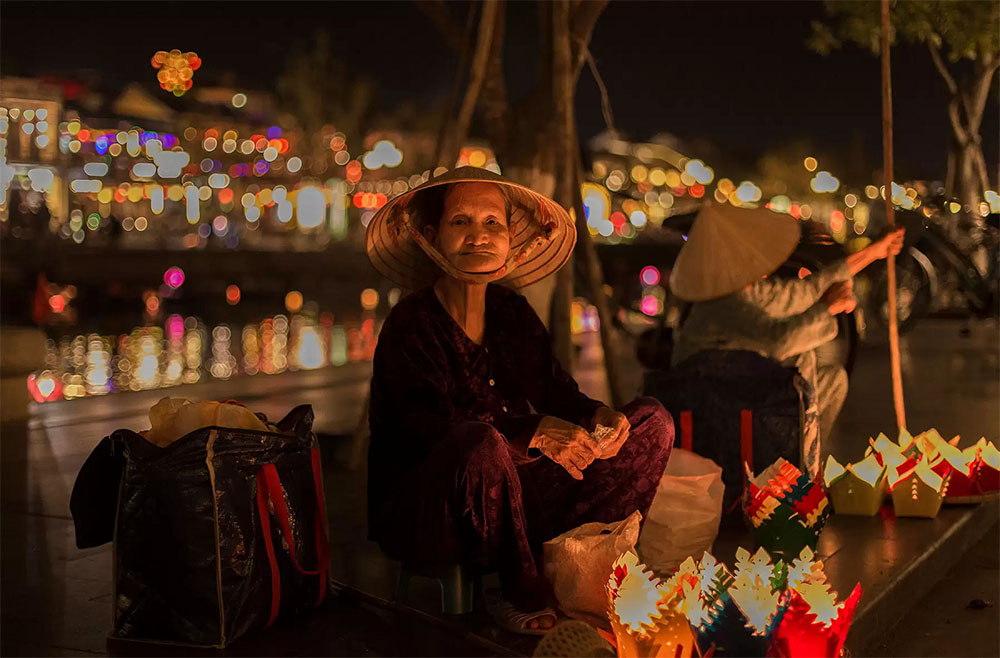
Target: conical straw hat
{"type": "Point", "coordinates": [729, 248]}
{"type": "Point", "coordinates": [542, 236]}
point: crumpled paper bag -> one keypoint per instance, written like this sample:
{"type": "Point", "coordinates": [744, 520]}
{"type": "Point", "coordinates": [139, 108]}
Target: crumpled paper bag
{"type": "Point", "coordinates": [578, 564]}
{"type": "Point", "coordinates": [172, 418]}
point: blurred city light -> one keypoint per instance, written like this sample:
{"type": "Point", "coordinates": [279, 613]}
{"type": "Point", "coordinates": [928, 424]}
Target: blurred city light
{"type": "Point", "coordinates": [174, 277]}
{"type": "Point", "coordinates": [824, 182]}
{"type": "Point", "coordinates": [383, 154]}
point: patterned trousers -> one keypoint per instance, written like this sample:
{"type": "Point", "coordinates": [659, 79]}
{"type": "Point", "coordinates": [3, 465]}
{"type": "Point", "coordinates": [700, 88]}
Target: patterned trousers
{"type": "Point", "coordinates": [471, 503]}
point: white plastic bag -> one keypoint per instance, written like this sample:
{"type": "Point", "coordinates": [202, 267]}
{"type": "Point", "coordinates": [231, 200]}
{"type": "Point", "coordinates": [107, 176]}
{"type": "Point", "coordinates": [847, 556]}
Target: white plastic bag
{"type": "Point", "coordinates": [684, 517]}
{"type": "Point", "coordinates": [578, 564]}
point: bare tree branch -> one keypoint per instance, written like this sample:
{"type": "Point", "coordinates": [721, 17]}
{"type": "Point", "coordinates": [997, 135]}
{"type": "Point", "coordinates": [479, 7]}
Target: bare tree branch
{"type": "Point", "coordinates": [949, 178]}
{"type": "Point", "coordinates": [582, 22]}
{"type": "Point", "coordinates": [942, 69]}
{"type": "Point", "coordinates": [442, 139]}
{"type": "Point", "coordinates": [493, 98]}
{"type": "Point", "coordinates": [593, 276]}
{"type": "Point", "coordinates": [609, 119]}
{"type": "Point", "coordinates": [956, 121]}
{"type": "Point", "coordinates": [976, 104]}
{"type": "Point", "coordinates": [477, 72]}
{"type": "Point", "coordinates": [438, 13]}
{"type": "Point", "coordinates": [984, 177]}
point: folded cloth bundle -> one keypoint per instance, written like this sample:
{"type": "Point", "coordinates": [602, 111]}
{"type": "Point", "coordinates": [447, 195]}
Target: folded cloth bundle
{"type": "Point", "coordinates": [172, 418]}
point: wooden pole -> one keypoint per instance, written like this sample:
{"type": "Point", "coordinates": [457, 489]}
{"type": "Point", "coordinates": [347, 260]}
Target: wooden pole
{"type": "Point", "coordinates": [897, 377]}
{"type": "Point", "coordinates": [563, 136]}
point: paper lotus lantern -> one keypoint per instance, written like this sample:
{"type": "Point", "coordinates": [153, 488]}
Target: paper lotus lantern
{"type": "Point", "coordinates": [856, 489]}
{"type": "Point", "coordinates": [898, 457]}
{"type": "Point", "coordinates": [785, 509]}
{"type": "Point", "coordinates": [757, 602]}
{"type": "Point", "coordinates": [175, 70]}
{"type": "Point", "coordinates": [706, 590]}
{"type": "Point", "coordinates": [814, 624]}
{"type": "Point", "coordinates": [919, 492]}
{"type": "Point", "coordinates": [647, 615]}
{"type": "Point", "coordinates": [981, 479]}
{"type": "Point", "coordinates": [756, 587]}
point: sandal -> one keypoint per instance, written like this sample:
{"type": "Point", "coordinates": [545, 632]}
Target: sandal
{"type": "Point", "coordinates": [513, 620]}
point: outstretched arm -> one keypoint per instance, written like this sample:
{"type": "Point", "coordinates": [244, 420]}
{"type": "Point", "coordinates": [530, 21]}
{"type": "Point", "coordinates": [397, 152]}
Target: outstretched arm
{"type": "Point", "coordinates": [890, 243]}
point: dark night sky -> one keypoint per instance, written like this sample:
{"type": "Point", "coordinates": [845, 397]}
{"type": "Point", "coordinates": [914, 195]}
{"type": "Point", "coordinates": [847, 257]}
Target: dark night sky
{"type": "Point", "coordinates": [737, 74]}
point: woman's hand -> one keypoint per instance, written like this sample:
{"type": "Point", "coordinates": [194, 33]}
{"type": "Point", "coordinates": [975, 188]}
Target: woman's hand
{"type": "Point", "coordinates": [566, 444]}
{"type": "Point", "coordinates": [890, 243]}
{"type": "Point", "coordinates": [611, 444]}
{"type": "Point", "coordinates": [839, 298]}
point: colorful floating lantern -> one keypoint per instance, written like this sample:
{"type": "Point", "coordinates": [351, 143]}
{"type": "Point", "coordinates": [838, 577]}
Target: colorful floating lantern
{"type": "Point", "coordinates": [857, 489]}
{"type": "Point", "coordinates": [981, 480]}
{"type": "Point", "coordinates": [721, 624]}
{"type": "Point", "coordinates": [706, 607]}
{"type": "Point", "coordinates": [920, 491]}
{"type": "Point", "coordinates": [647, 616]}
{"type": "Point", "coordinates": [761, 608]}
{"type": "Point", "coordinates": [898, 457]}
{"type": "Point", "coordinates": [175, 70]}
{"type": "Point", "coordinates": [814, 624]}
{"type": "Point", "coordinates": [786, 510]}
{"type": "Point", "coordinates": [758, 604]}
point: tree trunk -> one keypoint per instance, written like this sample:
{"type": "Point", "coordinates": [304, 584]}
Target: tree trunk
{"type": "Point", "coordinates": [967, 185]}
{"type": "Point", "coordinates": [594, 278]}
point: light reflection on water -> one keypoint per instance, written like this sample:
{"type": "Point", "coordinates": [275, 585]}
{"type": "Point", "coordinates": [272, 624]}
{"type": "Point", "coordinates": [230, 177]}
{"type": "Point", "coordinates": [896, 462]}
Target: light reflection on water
{"type": "Point", "coordinates": [185, 351]}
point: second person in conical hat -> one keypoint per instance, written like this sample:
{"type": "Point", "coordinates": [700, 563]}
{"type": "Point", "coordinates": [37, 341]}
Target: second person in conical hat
{"type": "Point", "coordinates": [482, 446]}
{"type": "Point", "coordinates": [725, 270]}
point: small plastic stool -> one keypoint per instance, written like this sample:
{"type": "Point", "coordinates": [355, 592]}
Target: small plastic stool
{"type": "Point", "coordinates": [456, 586]}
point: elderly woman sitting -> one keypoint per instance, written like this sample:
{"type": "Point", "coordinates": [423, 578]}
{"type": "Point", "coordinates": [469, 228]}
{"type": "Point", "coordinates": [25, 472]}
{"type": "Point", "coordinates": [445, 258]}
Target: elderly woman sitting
{"type": "Point", "coordinates": [482, 446]}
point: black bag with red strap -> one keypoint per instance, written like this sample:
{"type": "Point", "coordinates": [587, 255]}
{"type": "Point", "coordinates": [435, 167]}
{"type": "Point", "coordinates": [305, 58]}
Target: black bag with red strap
{"type": "Point", "coordinates": [219, 533]}
{"type": "Point", "coordinates": [712, 394]}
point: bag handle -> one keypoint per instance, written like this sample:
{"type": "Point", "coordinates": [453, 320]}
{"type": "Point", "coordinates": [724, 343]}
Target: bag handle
{"type": "Point", "coordinates": [265, 525]}
{"type": "Point", "coordinates": [275, 494]}
{"type": "Point", "coordinates": [267, 476]}
{"type": "Point", "coordinates": [746, 437]}
{"type": "Point", "coordinates": [687, 433]}
{"type": "Point", "coordinates": [746, 450]}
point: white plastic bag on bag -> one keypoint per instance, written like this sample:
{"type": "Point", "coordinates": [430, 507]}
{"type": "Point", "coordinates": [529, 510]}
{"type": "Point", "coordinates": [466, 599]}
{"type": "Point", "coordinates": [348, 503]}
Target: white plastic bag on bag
{"type": "Point", "coordinates": [684, 517]}
{"type": "Point", "coordinates": [578, 564]}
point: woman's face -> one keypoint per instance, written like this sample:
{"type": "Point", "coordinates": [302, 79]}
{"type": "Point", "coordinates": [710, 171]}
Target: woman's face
{"type": "Point", "coordinates": [473, 233]}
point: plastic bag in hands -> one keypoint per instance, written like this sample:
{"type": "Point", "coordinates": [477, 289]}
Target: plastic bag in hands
{"type": "Point", "coordinates": [578, 564]}
{"type": "Point", "coordinates": [684, 517]}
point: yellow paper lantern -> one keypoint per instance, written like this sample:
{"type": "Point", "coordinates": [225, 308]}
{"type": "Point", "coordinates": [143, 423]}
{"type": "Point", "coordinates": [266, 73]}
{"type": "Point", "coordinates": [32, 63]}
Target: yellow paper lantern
{"type": "Point", "coordinates": [647, 616]}
{"type": "Point", "coordinates": [857, 489]}
{"type": "Point", "coordinates": [919, 492]}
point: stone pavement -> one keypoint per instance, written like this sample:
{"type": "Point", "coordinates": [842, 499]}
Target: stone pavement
{"type": "Point", "coordinates": [56, 599]}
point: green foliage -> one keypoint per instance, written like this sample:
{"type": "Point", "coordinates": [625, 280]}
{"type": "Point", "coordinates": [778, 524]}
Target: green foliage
{"type": "Point", "coordinates": [963, 29]}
